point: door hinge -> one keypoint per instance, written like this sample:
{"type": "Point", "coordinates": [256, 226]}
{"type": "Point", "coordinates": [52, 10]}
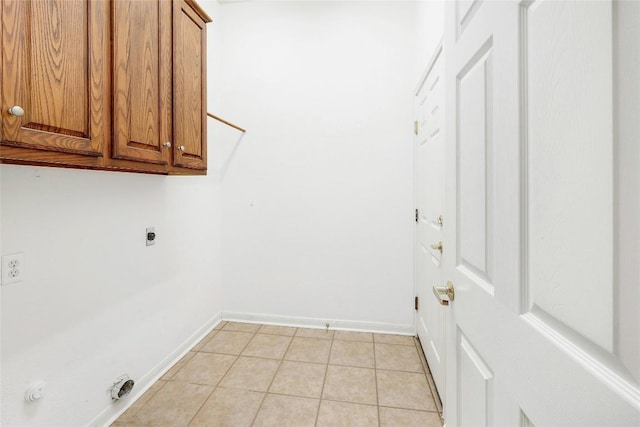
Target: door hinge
{"type": "Point", "coordinates": [415, 127]}
{"type": "Point", "coordinates": [415, 303]}
{"type": "Point", "coordinates": [417, 215]}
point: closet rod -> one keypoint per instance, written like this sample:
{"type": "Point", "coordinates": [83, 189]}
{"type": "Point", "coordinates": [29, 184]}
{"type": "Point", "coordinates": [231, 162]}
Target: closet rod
{"type": "Point", "coordinates": [226, 122]}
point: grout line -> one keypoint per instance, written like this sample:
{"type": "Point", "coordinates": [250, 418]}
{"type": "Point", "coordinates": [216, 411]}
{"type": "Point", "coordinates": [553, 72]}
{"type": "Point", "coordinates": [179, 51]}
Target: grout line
{"type": "Point", "coordinates": [375, 374]}
{"type": "Point", "coordinates": [324, 381]}
{"type": "Point", "coordinates": [351, 403]}
{"type": "Point", "coordinates": [213, 388]}
{"type": "Point", "coordinates": [134, 413]}
{"type": "Point", "coordinates": [295, 330]}
{"type": "Point", "coordinates": [235, 361]}
{"type": "Point", "coordinates": [272, 379]}
{"type": "Point", "coordinates": [220, 352]}
{"type": "Point", "coordinates": [363, 367]}
{"type": "Point", "coordinates": [410, 409]}
{"type": "Point", "coordinates": [183, 358]}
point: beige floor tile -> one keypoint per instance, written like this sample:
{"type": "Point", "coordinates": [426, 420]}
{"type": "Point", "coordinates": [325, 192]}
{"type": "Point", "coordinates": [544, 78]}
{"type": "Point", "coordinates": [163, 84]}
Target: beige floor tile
{"type": "Point", "coordinates": [309, 350]}
{"type": "Point", "coordinates": [130, 413]}
{"type": "Point", "coordinates": [277, 330]}
{"type": "Point", "coordinates": [394, 339]}
{"type": "Point", "coordinates": [405, 390]}
{"type": "Point", "coordinates": [228, 342]}
{"type": "Point", "coordinates": [250, 373]}
{"type": "Point", "coordinates": [333, 414]}
{"type": "Point", "coordinates": [179, 364]}
{"type": "Point", "coordinates": [299, 379]}
{"type": "Point", "coordinates": [353, 336]}
{"type": "Point", "coordinates": [269, 346]}
{"type": "Point", "coordinates": [200, 344]}
{"type": "Point", "coordinates": [348, 384]}
{"type": "Point", "coordinates": [204, 340]}
{"type": "Point", "coordinates": [205, 368]}
{"type": "Point", "coordinates": [393, 417]}
{"type": "Point", "coordinates": [241, 327]}
{"type": "Point", "coordinates": [228, 408]}
{"type": "Point", "coordinates": [315, 333]}
{"type": "Point", "coordinates": [351, 353]}
{"type": "Point", "coordinates": [221, 325]}
{"type": "Point", "coordinates": [283, 411]}
{"type": "Point", "coordinates": [173, 405]}
{"type": "Point", "coordinates": [397, 358]}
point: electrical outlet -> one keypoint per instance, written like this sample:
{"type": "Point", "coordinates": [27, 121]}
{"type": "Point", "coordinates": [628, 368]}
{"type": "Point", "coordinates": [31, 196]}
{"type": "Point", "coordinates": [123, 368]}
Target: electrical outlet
{"type": "Point", "coordinates": [12, 268]}
{"type": "Point", "coordinates": [151, 236]}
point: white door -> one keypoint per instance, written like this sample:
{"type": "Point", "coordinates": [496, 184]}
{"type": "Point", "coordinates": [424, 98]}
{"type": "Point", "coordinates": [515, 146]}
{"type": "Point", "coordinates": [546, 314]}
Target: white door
{"type": "Point", "coordinates": [429, 178]}
{"type": "Point", "coordinates": [544, 327]}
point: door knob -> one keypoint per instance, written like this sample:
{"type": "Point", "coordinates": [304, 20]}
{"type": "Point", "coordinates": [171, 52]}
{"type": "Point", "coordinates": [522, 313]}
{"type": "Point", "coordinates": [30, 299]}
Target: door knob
{"type": "Point", "coordinates": [439, 221]}
{"type": "Point", "coordinates": [181, 147]}
{"type": "Point", "coordinates": [167, 144]}
{"type": "Point", "coordinates": [16, 110]}
{"type": "Point", "coordinates": [445, 294]}
{"type": "Point", "coordinates": [437, 246]}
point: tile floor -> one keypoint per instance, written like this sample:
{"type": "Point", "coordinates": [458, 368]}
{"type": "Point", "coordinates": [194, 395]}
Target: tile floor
{"type": "Point", "coordinates": [258, 375]}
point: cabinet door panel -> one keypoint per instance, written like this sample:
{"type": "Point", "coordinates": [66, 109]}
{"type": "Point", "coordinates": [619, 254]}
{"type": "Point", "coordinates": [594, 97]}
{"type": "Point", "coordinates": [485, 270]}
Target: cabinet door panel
{"type": "Point", "coordinates": [142, 80]}
{"type": "Point", "coordinates": [55, 66]}
{"type": "Point", "coordinates": [189, 88]}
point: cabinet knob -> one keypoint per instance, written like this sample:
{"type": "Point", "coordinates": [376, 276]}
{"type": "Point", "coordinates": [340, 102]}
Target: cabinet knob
{"type": "Point", "coordinates": [16, 110]}
{"type": "Point", "coordinates": [167, 144]}
{"type": "Point", "coordinates": [181, 147]}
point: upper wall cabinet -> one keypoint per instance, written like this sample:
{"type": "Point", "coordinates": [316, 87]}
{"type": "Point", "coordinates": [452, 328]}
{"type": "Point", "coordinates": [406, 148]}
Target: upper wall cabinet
{"type": "Point", "coordinates": [104, 84]}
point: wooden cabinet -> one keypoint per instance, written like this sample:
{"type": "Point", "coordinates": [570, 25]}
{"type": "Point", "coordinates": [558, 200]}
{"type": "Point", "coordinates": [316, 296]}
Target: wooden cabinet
{"type": "Point", "coordinates": [55, 59]}
{"type": "Point", "coordinates": [104, 84]}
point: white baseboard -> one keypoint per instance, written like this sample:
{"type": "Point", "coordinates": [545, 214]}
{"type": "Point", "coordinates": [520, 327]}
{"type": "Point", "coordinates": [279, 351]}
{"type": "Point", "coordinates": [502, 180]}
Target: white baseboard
{"type": "Point", "coordinates": [112, 412]}
{"type": "Point", "coordinates": [308, 322]}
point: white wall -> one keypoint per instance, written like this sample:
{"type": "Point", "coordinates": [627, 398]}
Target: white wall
{"type": "Point", "coordinates": [318, 200]}
{"type": "Point", "coordinates": [627, 197]}
{"type": "Point", "coordinates": [96, 302]}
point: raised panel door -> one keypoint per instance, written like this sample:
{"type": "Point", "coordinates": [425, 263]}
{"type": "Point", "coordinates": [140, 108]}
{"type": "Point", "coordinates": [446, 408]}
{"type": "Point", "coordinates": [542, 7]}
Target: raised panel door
{"type": "Point", "coordinates": [543, 329]}
{"type": "Point", "coordinates": [142, 81]}
{"type": "Point", "coordinates": [55, 67]}
{"type": "Point", "coordinates": [189, 71]}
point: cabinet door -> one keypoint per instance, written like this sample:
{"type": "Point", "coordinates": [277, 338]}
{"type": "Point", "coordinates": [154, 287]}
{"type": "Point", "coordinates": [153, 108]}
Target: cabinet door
{"type": "Point", "coordinates": [142, 80]}
{"type": "Point", "coordinates": [189, 73]}
{"type": "Point", "coordinates": [55, 66]}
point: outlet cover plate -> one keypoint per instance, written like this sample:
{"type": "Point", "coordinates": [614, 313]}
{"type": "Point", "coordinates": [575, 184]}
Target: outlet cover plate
{"type": "Point", "coordinates": [13, 268]}
{"type": "Point", "coordinates": [152, 231]}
